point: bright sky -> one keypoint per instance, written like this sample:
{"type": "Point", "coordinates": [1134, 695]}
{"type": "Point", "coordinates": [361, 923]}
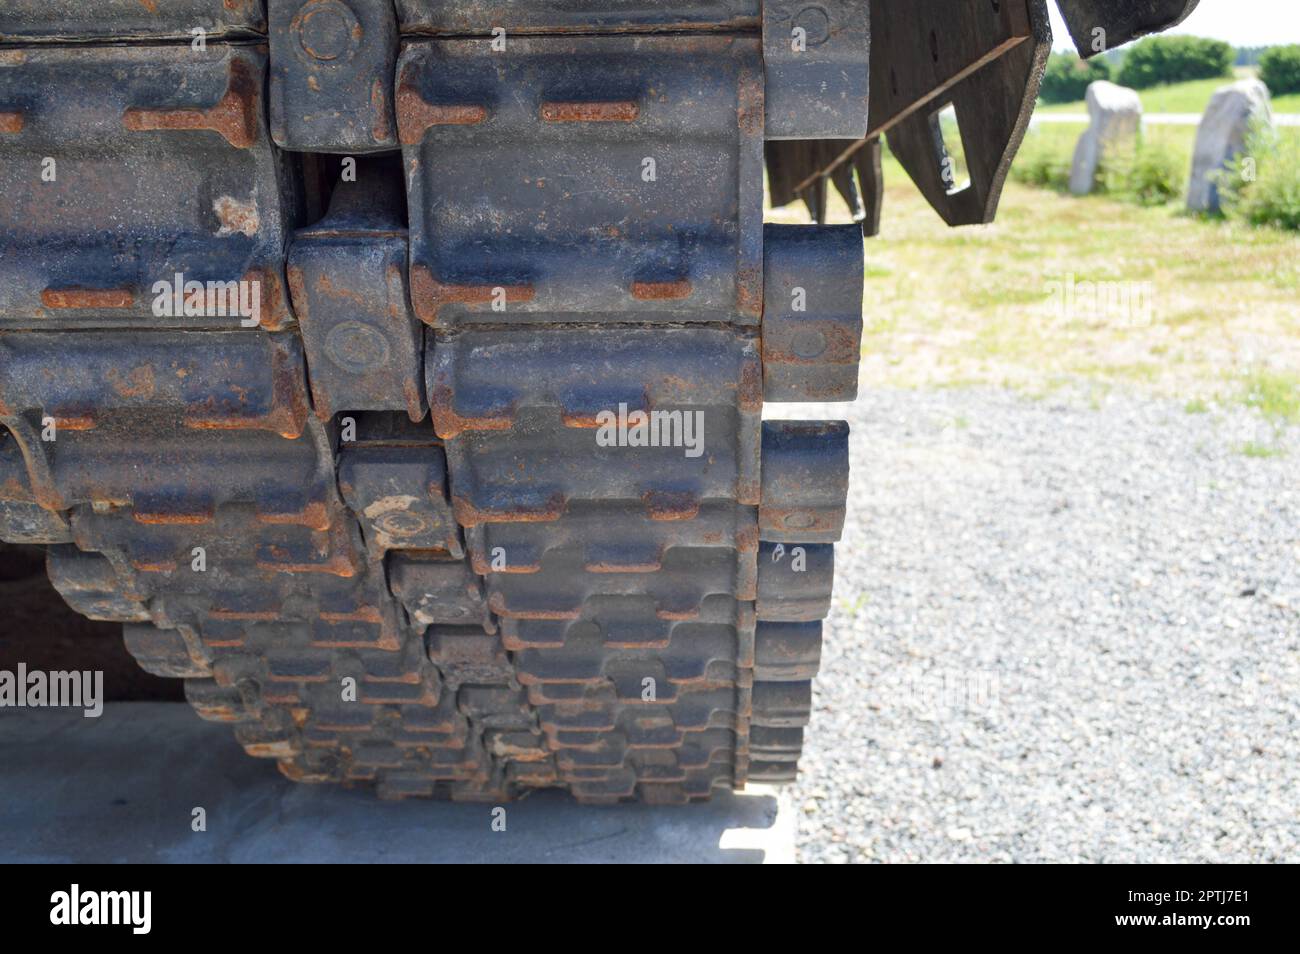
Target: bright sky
{"type": "Point", "coordinates": [1240, 22]}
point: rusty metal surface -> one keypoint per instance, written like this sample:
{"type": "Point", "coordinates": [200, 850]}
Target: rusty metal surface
{"type": "Point", "coordinates": [480, 500]}
{"type": "Point", "coordinates": [456, 17]}
{"type": "Point", "coordinates": [795, 582]}
{"type": "Point", "coordinates": [644, 203]}
{"type": "Point", "coordinates": [812, 312]}
{"type": "Point", "coordinates": [159, 164]}
{"type": "Point", "coordinates": [347, 281]}
{"type": "Point", "coordinates": [817, 71]}
{"type": "Point", "coordinates": [805, 480]}
{"type": "Point", "coordinates": [331, 83]}
{"type": "Point", "coordinates": [397, 495]}
{"type": "Point", "coordinates": [87, 20]}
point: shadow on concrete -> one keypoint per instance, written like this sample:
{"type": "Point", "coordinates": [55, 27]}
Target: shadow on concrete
{"type": "Point", "coordinates": [122, 788]}
{"type": "Point", "coordinates": [39, 629]}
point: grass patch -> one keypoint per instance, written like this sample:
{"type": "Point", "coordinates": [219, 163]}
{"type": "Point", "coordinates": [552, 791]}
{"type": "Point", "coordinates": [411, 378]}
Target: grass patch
{"type": "Point", "coordinates": [1196, 406]}
{"type": "Point", "coordinates": [1272, 195]}
{"type": "Point", "coordinates": [973, 306]}
{"type": "Point", "coordinates": [1153, 174]}
{"type": "Point", "coordinates": [1275, 394]}
{"type": "Point", "coordinates": [1261, 451]}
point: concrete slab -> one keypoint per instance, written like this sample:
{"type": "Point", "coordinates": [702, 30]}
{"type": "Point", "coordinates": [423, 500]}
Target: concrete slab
{"type": "Point", "coordinates": [123, 788]}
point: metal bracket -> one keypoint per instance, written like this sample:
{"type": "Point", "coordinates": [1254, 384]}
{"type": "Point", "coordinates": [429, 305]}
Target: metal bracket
{"type": "Point", "coordinates": [818, 75]}
{"type": "Point", "coordinates": [332, 67]}
{"type": "Point", "coordinates": [812, 312]}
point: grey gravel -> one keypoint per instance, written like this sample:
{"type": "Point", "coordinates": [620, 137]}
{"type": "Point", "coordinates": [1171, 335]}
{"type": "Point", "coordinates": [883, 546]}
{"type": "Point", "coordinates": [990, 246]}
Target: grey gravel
{"type": "Point", "coordinates": [1063, 630]}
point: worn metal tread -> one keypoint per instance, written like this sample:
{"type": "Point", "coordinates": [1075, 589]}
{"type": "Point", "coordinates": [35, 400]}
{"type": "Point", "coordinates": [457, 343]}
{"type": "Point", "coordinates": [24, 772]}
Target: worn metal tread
{"type": "Point", "coordinates": [475, 503]}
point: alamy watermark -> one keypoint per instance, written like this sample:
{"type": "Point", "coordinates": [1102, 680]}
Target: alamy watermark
{"type": "Point", "coordinates": [75, 907]}
{"type": "Point", "coordinates": [624, 428]}
{"type": "Point", "coordinates": [192, 299]}
{"type": "Point", "coordinates": [941, 689]}
{"type": "Point", "coordinates": [1126, 304]}
{"type": "Point", "coordinates": [36, 689]}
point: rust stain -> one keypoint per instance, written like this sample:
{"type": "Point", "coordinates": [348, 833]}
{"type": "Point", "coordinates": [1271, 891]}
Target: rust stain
{"type": "Point", "coordinates": [338, 565]}
{"type": "Point", "coordinates": [584, 421]}
{"type": "Point", "coordinates": [165, 519]}
{"type": "Point", "coordinates": [624, 111]}
{"type": "Point", "coordinates": [218, 713]}
{"type": "Point", "coordinates": [668, 505]}
{"type": "Point", "coordinates": [286, 416]}
{"type": "Point", "coordinates": [139, 382]}
{"type": "Point", "coordinates": [661, 291]}
{"type": "Point", "coordinates": [467, 515]}
{"type": "Point", "coordinates": [388, 641]}
{"type": "Point", "coordinates": [150, 5]}
{"type": "Point", "coordinates": [233, 642]}
{"type": "Point", "coordinates": [73, 421]}
{"type": "Point", "coordinates": [624, 567]}
{"type": "Point", "coordinates": [12, 122]}
{"type": "Point", "coordinates": [381, 127]}
{"type": "Point", "coordinates": [750, 394]}
{"type": "Point", "coordinates": [750, 106]}
{"type": "Point", "coordinates": [842, 344]}
{"type": "Point", "coordinates": [248, 615]}
{"type": "Point", "coordinates": [334, 548]}
{"type": "Point", "coordinates": [88, 298]}
{"type": "Point", "coordinates": [498, 605]}
{"type": "Point", "coordinates": [13, 489]}
{"type": "Point", "coordinates": [362, 614]}
{"type": "Point", "coordinates": [284, 749]}
{"type": "Point", "coordinates": [801, 519]}
{"type": "Point", "coordinates": [447, 423]}
{"type": "Point", "coordinates": [289, 412]}
{"type": "Point", "coordinates": [414, 400]}
{"type": "Point", "coordinates": [747, 539]}
{"type": "Point", "coordinates": [276, 313]}
{"type": "Point", "coordinates": [409, 678]}
{"type": "Point", "coordinates": [749, 292]}
{"type": "Point", "coordinates": [428, 295]}
{"type": "Point", "coordinates": [280, 694]}
{"type": "Point", "coordinates": [315, 515]}
{"type": "Point", "coordinates": [327, 287]}
{"type": "Point", "coordinates": [613, 642]}
{"type": "Point", "coordinates": [677, 614]}
{"type": "Point", "coordinates": [415, 116]}
{"type": "Point", "coordinates": [482, 567]}
{"type": "Point", "coordinates": [69, 420]}
{"type": "Point", "coordinates": [236, 216]}
{"type": "Point", "coordinates": [234, 116]}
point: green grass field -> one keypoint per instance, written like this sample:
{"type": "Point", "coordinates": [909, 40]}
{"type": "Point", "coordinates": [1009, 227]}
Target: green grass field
{"type": "Point", "coordinates": [947, 307]}
{"type": "Point", "coordinates": [1190, 97]}
{"type": "Point", "coordinates": [1063, 137]}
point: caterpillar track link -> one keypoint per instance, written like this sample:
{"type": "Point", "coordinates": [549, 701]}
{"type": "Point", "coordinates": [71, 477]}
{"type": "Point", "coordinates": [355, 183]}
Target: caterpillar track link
{"type": "Point", "coordinates": [394, 370]}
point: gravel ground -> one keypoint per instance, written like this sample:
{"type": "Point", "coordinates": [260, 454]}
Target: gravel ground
{"type": "Point", "coordinates": [1062, 632]}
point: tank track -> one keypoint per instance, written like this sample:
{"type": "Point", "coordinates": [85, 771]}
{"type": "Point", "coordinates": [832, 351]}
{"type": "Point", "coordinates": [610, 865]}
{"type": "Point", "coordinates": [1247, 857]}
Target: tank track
{"type": "Point", "coordinates": [394, 533]}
